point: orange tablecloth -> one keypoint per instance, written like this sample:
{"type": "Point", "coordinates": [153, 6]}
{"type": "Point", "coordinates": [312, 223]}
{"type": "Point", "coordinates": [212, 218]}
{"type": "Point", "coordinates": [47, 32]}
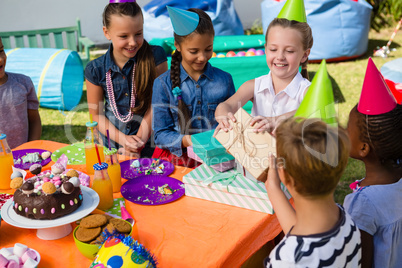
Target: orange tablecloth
{"type": "Point", "coordinates": [189, 232]}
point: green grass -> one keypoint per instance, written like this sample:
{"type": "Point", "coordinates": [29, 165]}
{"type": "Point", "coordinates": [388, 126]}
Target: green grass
{"type": "Point", "coordinates": [347, 79]}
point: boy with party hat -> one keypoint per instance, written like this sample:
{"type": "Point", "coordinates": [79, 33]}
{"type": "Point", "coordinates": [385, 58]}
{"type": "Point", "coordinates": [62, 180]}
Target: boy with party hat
{"type": "Point", "coordinates": [375, 131]}
{"type": "Point", "coordinates": [311, 157]}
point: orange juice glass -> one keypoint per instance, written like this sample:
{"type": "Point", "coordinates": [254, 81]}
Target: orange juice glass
{"type": "Point", "coordinates": [92, 141]}
{"type": "Point", "coordinates": [103, 186]}
{"type": "Point", "coordinates": [6, 163]}
{"type": "Point", "coordinates": [91, 157]}
{"type": "Point", "coordinates": [114, 170]}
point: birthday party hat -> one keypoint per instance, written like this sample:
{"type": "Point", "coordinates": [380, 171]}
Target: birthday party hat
{"type": "Point", "coordinates": [293, 10]}
{"type": "Point", "coordinates": [319, 99]}
{"type": "Point", "coordinates": [376, 97]}
{"type": "Point", "coordinates": [184, 22]}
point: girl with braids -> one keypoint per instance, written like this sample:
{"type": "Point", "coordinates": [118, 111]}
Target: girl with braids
{"type": "Point", "coordinates": [119, 83]}
{"type": "Point", "coordinates": [185, 97]}
{"type": "Point", "coordinates": [375, 204]}
{"type": "Point", "coordinates": [278, 94]}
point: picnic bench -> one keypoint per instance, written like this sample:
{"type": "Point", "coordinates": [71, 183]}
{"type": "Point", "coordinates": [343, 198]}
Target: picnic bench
{"type": "Point", "coordinates": [66, 37]}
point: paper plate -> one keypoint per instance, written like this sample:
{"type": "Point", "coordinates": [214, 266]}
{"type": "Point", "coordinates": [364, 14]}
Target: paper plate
{"type": "Point", "coordinates": [144, 190]}
{"type": "Point", "coordinates": [20, 153]}
{"type": "Point", "coordinates": [75, 153]}
{"type": "Point", "coordinates": [128, 172]}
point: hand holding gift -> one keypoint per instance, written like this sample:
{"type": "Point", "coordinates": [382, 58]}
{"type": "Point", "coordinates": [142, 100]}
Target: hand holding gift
{"type": "Point", "coordinates": [250, 148]}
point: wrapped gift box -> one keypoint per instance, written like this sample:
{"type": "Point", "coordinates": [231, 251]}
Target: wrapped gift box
{"type": "Point", "coordinates": [229, 188]}
{"type": "Point", "coordinates": [244, 172]}
{"type": "Point", "coordinates": [208, 149]}
{"type": "Point", "coordinates": [221, 167]}
{"type": "Point", "coordinates": [251, 149]}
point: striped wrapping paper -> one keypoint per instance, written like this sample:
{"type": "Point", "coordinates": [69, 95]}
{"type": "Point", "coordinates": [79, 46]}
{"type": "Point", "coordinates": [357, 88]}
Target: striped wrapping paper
{"type": "Point", "coordinates": [241, 192]}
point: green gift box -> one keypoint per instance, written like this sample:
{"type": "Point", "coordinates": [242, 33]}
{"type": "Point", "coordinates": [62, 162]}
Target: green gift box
{"type": "Point", "coordinates": [229, 188]}
{"type": "Point", "coordinates": [206, 147]}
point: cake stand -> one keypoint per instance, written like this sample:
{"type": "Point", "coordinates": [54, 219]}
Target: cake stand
{"type": "Point", "coordinates": [56, 228]}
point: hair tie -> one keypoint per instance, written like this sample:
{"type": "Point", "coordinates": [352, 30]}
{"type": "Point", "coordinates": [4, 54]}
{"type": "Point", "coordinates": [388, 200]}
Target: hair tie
{"type": "Point", "coordinates": [120, 1]}
{"type": "Point", "coordinates": [177, 92]}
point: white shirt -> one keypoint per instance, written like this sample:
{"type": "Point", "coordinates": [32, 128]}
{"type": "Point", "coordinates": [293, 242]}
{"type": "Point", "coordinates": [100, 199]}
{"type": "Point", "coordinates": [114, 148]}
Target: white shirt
{"type": "Point", "coordinates": [266, 103]}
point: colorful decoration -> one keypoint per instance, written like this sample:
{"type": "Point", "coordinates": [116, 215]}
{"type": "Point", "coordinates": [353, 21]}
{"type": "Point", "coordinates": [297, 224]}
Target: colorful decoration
{"type": "Point", "coordinates": [375, 98]}
{"type": "Point", "coordinates": [123, 251]}
{"type": "Point", "coordinates": [293, 10]}
{"type": "Point", "coordinates": [184, 22]}
{"type": "Point", "coordinates": [176, 92]}
{"type": "Point", "coordinates": [319, 99]}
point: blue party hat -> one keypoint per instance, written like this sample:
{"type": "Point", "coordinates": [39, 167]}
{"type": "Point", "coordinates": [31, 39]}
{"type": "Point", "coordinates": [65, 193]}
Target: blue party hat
{"type": "Point", "coordinates": [184, 22]}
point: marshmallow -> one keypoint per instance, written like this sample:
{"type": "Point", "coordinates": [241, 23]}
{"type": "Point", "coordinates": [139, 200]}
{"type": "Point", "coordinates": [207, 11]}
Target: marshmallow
{"type": "Point", "coordinates": [75, 181]}
{"type": "Point", "coordinates": [28, 254]}
{"type": "Point", "coordinates": [5, 252]}
{"type": "Point", "coordinates": [30, 263]}
{"type": "Point", "coordinates": [3, 261]}
{"type": "Point", "coordinates": [19, 249]}
{"type": "Point", "coordinates": [14, 258]}
{"type": "Point", "coordinates": [12, 264]}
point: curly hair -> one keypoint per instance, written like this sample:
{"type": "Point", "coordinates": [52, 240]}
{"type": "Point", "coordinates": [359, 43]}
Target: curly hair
{"type": "Point", "coordinates": [383, 133]}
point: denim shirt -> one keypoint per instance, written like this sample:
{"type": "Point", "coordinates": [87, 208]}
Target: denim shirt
{"type": "Point", "coordinates": [202, 97]}
{"type": "Point", "coordinates": [95, 72]}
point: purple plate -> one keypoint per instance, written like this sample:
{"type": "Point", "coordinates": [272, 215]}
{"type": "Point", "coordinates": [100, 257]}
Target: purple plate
{"type": "Point", "coordinates": [20, 153]}
{"type": "Point", "coordinates": [144, 190]}
{"type": "Point", "coordinates": [128, 172]}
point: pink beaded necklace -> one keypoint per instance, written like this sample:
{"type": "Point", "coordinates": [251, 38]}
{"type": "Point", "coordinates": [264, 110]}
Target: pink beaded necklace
{"type": "Point", "coordinates": [110, 92]}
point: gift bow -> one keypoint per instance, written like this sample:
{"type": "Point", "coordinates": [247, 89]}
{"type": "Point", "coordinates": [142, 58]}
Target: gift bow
{"type": "Point", "coordinates": [226, 178]}
{"type": "Point", "coordinates": [239, 132]}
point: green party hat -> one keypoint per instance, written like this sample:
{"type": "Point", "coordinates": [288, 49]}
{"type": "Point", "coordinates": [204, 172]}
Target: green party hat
{"type": "Point", "coordinates": [293, 10]}
{"type": "Point", "coordinates": [319, 99]}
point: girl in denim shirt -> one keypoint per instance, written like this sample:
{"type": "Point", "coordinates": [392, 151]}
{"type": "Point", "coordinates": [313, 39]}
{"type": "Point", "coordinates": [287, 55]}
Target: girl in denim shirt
{"type": "Point", "coordinates": [185, 97]}
{"type": "Point", "coordinates": [119, 83]}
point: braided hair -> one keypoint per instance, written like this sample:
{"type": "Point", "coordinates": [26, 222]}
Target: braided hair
{"type": "Point", "coordinates": [205, 26]}
{"type": "Point", "coordinates": [383, 133]}
{"type": "Point", "coordinates": [146, 70]}
{"type": "Point", "coordinates": [303, 28]}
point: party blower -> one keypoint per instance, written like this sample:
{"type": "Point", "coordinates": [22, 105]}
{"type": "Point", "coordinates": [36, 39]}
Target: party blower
{"type": "Point", "coordinates": [125, 215]}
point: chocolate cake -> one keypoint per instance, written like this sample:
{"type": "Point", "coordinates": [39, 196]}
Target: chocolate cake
{"type": "Point", "coordinates": [48, 197]}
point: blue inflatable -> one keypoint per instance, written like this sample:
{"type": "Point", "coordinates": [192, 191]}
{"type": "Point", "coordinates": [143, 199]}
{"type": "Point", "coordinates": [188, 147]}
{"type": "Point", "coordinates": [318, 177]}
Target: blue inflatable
{"type": "Point", "coordinates": [57, 74]}
{"type": "Point", "coordinates": [392, 70]}
{"type": "Point", "coordinates": [222, 12]}
{"type": "Point", "coordinates": [340, 27]}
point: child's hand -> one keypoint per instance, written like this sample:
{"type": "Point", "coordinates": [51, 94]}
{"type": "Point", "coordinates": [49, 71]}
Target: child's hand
{"type": "Point", "coordinates": [262, 123]}
{"type": "Point", "coordinates": [123, 151]}
{"type": "Point", "coordinates": [133, 144]}
{"type": "Point", "coordinates": [224, 123]}
{"type": "Point", "coordinates": [273, 180]}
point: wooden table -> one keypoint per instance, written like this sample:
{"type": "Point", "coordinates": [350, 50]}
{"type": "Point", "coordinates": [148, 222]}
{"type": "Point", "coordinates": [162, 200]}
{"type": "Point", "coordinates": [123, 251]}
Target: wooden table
{"type": "Point", "coordinates": [189, 232]}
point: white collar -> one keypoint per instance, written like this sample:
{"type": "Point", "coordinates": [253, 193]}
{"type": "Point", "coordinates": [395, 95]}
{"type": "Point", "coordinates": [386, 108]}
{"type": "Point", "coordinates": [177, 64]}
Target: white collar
{"type": "Point", "coordinates": [291, 89]}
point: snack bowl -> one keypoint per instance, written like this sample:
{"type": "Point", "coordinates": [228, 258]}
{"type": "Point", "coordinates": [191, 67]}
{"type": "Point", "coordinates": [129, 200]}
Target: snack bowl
{"type": "Point", "coordinates": [86, 249]}
{"type": "Point", "coordinates": [36, 252]}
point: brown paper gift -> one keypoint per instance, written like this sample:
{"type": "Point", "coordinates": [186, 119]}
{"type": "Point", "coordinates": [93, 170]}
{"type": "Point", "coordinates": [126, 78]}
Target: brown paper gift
{"type": "Point", "coordinates": [250, 149]}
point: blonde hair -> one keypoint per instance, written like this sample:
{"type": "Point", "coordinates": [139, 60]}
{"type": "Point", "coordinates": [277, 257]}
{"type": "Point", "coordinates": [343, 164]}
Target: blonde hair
{"type": "Point", "coordinates": [315, 154]}
{"type": "Point", "coordinates": [305, 31]}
